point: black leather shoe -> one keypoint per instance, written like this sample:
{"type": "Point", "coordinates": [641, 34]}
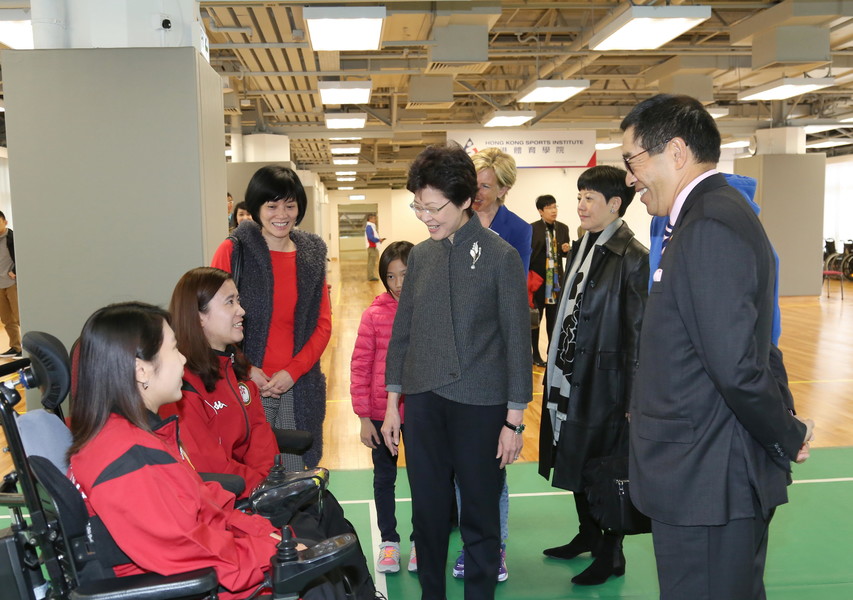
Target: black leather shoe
{"type": "Point", "coordinates": [601, 570]}
{"type": "Point", "coordinates": [538, 362]}
{"type": "Point", "coordinates": [568, 551]}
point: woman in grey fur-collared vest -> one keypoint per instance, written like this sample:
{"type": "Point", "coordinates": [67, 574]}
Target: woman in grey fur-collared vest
{"type": "Point", "coordinates": [459, 351]}
{"type": "Point", "coordinates": [282, 286]}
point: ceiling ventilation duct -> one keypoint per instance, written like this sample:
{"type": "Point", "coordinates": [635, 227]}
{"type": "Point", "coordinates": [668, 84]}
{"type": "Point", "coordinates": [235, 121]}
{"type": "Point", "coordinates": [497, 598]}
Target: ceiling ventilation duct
{"type": "Point", "coordinates": [430, 91]}
{"type": "Point", "coordinates": [459, 49]}
{"type": "Point", "coordinates": [231, 104]}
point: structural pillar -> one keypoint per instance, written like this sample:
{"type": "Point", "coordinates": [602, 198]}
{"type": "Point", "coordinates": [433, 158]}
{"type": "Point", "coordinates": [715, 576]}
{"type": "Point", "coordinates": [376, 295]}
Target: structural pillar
{"type": "Point", "coordinates": [791, 196]}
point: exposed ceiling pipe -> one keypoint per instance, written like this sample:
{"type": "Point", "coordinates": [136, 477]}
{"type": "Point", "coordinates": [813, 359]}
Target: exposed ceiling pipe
{"type": "Point", "coordinates": [211, 24]}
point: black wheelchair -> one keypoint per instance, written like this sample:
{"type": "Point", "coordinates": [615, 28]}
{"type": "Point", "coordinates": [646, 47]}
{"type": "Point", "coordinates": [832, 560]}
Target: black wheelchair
{"type": "Point", "coordinates": [839, 262]}
{"type": "Point", "coordinates": [53, 550]}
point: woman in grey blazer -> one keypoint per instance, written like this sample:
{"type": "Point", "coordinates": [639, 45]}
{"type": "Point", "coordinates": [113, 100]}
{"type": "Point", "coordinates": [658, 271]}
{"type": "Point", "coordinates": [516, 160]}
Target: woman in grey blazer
{"type": "Point", "coordinates": [459, 353]}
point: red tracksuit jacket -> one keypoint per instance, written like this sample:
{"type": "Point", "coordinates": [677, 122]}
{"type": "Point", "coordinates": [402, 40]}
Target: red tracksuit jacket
{"type": "Point", "coordinates": [225, 431]}
{"type": "Point", "coordinates": [162, 515]}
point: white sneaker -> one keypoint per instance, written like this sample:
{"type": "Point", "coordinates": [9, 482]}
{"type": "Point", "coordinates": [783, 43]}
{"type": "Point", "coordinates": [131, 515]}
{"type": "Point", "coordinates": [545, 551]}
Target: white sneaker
{"type": "Point", "coordinates": [389, 558]}
{"type": "Point", "coordinates": [413, 559]}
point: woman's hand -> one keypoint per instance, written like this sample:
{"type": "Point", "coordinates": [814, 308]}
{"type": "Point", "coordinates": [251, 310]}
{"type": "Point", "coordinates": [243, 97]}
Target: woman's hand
{"type": "Point", "coordinates": [369, 435]}
{"type": "Point", "coordinates": [509, 446]}
{"type": "Point", "coordinates": [509, 442]}
{"type": "Point", "coordinates": [258, 377]}
{"type": "Point", "coordinates": [391, 425]}
{"type": "Point", "coordinates": [278, 384]}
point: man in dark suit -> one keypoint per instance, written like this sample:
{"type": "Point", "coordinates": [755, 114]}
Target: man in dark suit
{"type": "Point", "coordinates": [550, 244]}
{"type": "Point", "coordinates": [712, 433]}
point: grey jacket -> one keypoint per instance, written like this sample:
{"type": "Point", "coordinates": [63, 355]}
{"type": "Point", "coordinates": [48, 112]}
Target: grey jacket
{"type": "Point", "coordinates": [462, 328]}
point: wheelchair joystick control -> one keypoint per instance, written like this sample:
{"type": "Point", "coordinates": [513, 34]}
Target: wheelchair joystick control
{"type": "Point", "coordinates": [287, 551]}
{"type": "Point", "coordinates": [290, 574]}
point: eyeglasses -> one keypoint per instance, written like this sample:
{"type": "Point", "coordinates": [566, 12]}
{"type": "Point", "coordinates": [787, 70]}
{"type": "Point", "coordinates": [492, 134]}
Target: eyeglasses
{"type": "Point", "coordinates": [427, 211]}
{"type": "Point", "coordinates": [627, 159]}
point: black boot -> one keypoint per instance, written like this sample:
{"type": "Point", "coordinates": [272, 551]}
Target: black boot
{"type": "Point", "coordinates": [609, 562]}
{"type": "Point", "coordinates": [577, 546]}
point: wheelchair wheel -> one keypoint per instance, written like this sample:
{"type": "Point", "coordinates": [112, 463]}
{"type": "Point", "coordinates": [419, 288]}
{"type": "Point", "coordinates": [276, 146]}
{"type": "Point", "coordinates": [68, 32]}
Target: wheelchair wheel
{"type": "Point", "coordinates": [833, 262]}
{"type": "Point", "coordinates": [847, 267]}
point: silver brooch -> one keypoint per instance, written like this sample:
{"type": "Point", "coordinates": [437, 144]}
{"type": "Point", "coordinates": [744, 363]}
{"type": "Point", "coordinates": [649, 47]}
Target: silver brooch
{"type": "Point", "coordinates": [475, 254]}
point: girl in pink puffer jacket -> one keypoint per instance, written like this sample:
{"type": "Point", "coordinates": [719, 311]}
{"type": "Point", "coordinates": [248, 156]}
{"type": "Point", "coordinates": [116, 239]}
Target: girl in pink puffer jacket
{"type": "Point", "coordinates": [369, 399]}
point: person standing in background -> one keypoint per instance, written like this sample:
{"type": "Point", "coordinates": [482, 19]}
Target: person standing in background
{"type": "Point", "coordinates": [550, 245]}
{"type": "Point", "coordinates": [495, 177]}
{"type": "Point", "coordinates": [230, 202]}
{"type": "Point", "coordinates": [282, 285]}
{"type": "Point", "coordinates": [373, 240]}
{"type": "Point", "coordinates": [9, 290]}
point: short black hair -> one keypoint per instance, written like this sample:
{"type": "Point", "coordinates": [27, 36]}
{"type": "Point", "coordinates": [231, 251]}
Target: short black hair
{"type": "Point", "coordinates": [447, 169]}
{"type": "Point", "coordinates": [608, 181]}
{"type": "Point", "coordinates": [274, 182]}
{"type": "Point", "coordinates": [394, 251]}
{"type": "Point", "coordinates": [545, 200]}
{"type": "Point", "coordinates": [666, 116]}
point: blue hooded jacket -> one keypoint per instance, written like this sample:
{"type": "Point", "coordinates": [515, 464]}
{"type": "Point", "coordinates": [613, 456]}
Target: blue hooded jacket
{"type": "Point", "coordinates": [746, 186]}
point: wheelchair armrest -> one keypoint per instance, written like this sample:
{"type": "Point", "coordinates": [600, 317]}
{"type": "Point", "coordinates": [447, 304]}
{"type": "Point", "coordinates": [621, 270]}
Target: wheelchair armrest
{"type": "Point", "coordinates": [282, 493]}
{"type": "Point", "coordinates": [293, 441]}
{"type": "Point", "coordinates": [150, 586]}
{"type": "Point", "coordinates": [231, 483]}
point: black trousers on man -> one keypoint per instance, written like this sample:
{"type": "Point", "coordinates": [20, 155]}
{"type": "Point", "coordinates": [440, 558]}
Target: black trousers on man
{"type": "Point", "coordinates": [710, 563]}
{"type": "Point", "coordinates": [443, 439]}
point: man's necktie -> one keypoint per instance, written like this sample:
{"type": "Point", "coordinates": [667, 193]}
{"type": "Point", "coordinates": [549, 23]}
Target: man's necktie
{"type": "Point", "coordinates": [667, 234]}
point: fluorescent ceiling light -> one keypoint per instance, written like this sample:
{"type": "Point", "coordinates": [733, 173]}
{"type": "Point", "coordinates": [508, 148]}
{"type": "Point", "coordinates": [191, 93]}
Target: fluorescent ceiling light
{"type": "Point", "coordinates": [347, 187]}
{"type": "Point", "coordinates": [346, 120]}
{"type": "Point", "coordinates": [346, 149]}
{"type": "Point", "coordinates": [718, 112]}
{"type": "Point", "coordinates": [816, 128]}
{"type": "Point", "coordinates": [830, 143]}
{"type": "Point", "coordinates": [345, 92]}
{"type": "Point", "coordinates": [508, 118]}
{"type": "Point", "coordinates": [346, 178]}
{"type": "Point", "coordinates": [345, 161]}
{"type": "Point", "coordinates": [344, 139]}
{"type": "Point", "coordinates": [344, 27]}
{"type": "Point", "coordinates": [787, 87]}
{"type": "Point", "coordinates": [648, 27]}
{"type": "Point", "coordinates": [736, 144]}
{"type": "Point", "coordinates": [17, 35]}
{"type": "Point", "coordinates": [344, 173]}
{"type": "Point", "coordinates": [846, 118]}
{"type": "Point", "coordinates": [607, 145]}
{"type": "Point", "coordinates": [552, 90]}
{"type": "Point", "coordinates": [357, 196]}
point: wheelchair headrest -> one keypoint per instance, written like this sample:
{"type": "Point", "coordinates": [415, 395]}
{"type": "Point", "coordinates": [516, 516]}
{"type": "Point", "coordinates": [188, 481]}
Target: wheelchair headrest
{"type": "Point", "coordinates": [51, 366]}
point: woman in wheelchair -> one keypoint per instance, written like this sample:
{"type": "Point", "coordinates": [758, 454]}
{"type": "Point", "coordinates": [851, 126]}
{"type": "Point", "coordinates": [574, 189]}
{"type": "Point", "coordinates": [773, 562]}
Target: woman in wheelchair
{"type": "Point", "coordinates": [223, 427]}
{"type": "Point", "coordinates": [129, 466]}
{"type": "Point", "coordinates": [222, 424]}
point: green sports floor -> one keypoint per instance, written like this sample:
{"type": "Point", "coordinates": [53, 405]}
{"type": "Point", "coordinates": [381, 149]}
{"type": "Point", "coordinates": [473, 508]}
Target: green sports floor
{"type": "Point", "coordinates": [810, 555]}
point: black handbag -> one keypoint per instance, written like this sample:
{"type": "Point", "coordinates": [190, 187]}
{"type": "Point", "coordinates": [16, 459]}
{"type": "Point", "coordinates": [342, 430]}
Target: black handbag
{"type": "Point", "coordinates": [608, 493]}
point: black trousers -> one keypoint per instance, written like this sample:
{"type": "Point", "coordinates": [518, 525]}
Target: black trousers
{"type": "Point", "coordinates": [712, 563]}
{"type": "Point", "coordinates": [550, 311]}
{"type": "Point", "coordinates": [384, 485]}
{"type": "Point", "coordinates": [444, 439]}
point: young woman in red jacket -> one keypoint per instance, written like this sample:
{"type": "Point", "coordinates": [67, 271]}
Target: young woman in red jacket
{"type": "Point", "coordinates": [223, 427]}
{"type": "Point", "coordinates": [129, 466]}
{"type": "Point", "coordinates": [369, 399]}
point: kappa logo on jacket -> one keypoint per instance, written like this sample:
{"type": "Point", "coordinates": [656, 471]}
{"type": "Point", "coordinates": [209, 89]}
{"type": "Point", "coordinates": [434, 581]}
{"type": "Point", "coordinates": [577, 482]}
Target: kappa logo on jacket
{"type": "Point", "coordinates": [219, 405]}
